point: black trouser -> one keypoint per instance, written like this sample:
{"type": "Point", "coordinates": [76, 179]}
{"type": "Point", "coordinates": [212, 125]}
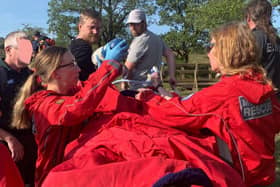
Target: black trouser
{"type": "Point", "coordinates": [27, 165]}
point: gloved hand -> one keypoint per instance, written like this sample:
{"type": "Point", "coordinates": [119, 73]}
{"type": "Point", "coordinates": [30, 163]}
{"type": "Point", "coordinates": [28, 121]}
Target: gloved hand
{"type": "Point", "coordinates": [98, 60]}
{"type": "Point", "coordinates": [116, 50]}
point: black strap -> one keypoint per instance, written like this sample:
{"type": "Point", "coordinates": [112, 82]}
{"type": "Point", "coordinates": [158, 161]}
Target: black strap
{"type": "Point", "coordinates": [3, 79]}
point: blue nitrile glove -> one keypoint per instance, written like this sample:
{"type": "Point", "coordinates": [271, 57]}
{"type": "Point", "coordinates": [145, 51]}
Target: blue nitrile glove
{"type": "Point", "coordinates": [116, 49]}
{"type": "Point", "coordinates": [99, 61]}
{"type": "Point", "coordinates": [112, 44]}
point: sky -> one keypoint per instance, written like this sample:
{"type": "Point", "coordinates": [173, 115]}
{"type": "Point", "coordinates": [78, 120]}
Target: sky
{"type": "Point", "coordinates": [15, 13]}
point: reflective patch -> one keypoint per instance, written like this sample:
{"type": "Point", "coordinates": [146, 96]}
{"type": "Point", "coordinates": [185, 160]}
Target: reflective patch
{"type": "Point", "coordinates": [59, 101]}
{"type": "Point", "coordinates": [251, 111]}
{"type": "Point", "coordinates": [114, 64]}
{"type": "Point", "coordinates": [187, 97]}
{"type": "Point", "coordinates": [34, 130]}
{"type": "Point", "coordinates": [11, 81]}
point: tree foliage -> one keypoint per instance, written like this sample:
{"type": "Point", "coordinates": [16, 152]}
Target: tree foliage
{"type": "Point", "coordinates": [30, 30]}
{"type": "Point", "coordinates": [191, 21]}
{"type": "Point", "coordinates": [2, 52]}
{"type": "Point", "coordinates": [63, 17]}
{"type": "Point", "coordinates": [275, 2]}
{"type": "Point", "coordinates": [216, 12]}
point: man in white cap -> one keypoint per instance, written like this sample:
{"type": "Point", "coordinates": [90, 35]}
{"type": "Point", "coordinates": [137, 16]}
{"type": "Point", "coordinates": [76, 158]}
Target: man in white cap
{"type": "Point", "coordinates": [145, 51]}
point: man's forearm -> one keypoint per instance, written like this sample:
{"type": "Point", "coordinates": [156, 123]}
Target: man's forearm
{"type": "Point", "coordinates": [4, 134]}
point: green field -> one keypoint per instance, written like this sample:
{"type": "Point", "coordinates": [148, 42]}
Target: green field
{"type": "Point", "coordinates": [277, 155]}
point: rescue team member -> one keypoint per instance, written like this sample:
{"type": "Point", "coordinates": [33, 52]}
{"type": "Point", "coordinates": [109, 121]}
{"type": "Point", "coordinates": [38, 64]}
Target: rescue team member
{"type": "Point", "coordinates": [9, 174]}
{"type": "Point", "coordinates": [241, 109]}
{"type": "Point", "coordinates": [258, 14]}
{"type": "Point", "coordinates": [238, 115]}
{"type": "Point", "coordinates": [137, 141]}
{"type": "Point", "coordinates": [55, 106]}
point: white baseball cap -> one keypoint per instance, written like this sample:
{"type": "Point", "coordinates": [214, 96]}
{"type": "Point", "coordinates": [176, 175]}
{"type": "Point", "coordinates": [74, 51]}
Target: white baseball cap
{"type": "Point", "coordinates": [136, 16]}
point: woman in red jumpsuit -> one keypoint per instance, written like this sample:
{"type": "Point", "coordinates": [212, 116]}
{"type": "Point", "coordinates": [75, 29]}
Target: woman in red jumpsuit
{"type": "Point", "coordinates": [240, 112]}
{"type": "Point", "coordinates": [241, 109]}
{"type": "Point", "coordinates": [55, 106]}
{"type": "Point", "coordinates": [129, 149]}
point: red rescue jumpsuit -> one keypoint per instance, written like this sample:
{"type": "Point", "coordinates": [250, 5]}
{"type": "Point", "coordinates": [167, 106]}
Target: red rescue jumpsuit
{"type": "Point", "coordinates": [9, 174]}
{"type": "Point", "coordinates": [57, 118]}
{"type": "Point", "coordinates": [241, 111]}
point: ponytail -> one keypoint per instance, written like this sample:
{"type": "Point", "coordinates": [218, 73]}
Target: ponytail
{"type": "Point", "coordinates": [46, 62]}
{"type": "Point", "coordinates": [20, 118]}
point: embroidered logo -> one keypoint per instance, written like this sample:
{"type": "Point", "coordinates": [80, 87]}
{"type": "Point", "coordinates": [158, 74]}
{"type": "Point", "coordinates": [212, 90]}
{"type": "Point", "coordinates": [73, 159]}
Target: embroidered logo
{"type": "Point", "coordinates": [59, 101]}
{"type": "Point", "coordinates": [251, 111]}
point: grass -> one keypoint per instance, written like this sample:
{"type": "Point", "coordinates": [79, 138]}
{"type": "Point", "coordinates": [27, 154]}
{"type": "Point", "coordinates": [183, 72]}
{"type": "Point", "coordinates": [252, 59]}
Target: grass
{"type": "Point", "coordinates": [277, 156]}
{"type": "Point", "coordinates": [195, 58]}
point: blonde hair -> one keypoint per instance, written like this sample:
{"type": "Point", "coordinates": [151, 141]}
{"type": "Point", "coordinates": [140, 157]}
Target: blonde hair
{"type": "Point", "coordinates": [46, 62]}
{"type": "Point", "coordinates": [88, 14]}
{"type": "Point", "coordinates": [11, 38]}
{"type": "Point", "coordinates": [236, 50]}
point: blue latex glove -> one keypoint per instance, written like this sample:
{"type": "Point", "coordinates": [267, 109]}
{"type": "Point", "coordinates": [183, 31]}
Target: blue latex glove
{"type": "Point", "coordinates": [116, 50]}
{"type": "Point", "coordinates": [99, 61]}
{"type": "Point", "coordinates": [112, 43]}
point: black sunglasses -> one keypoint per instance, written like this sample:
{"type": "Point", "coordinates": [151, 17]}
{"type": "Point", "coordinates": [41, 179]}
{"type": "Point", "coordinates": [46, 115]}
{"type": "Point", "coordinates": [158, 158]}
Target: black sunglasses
{"type": "Point", "coordinates": [72, 64]}
{"type": "Point", "coordinates": [209, 46]}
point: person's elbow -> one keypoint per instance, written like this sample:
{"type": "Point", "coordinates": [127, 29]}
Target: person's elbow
{"type": "Point", "coordinates": [168, 53]}
{"type": "Point", "coordinates": [129, 65]}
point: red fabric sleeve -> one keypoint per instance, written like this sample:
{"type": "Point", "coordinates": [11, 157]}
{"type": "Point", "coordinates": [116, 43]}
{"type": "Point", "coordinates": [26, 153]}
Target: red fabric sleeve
{"type": "Point", "coordinates": [9, 174]}
{"type": "Point", "coordinates": [72, 110]}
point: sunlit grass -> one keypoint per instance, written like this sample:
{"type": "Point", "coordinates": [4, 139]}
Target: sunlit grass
{"type": "Point", "coordinates": [277, 155]}
{"type": "Point", "coordinates": [195, 58]}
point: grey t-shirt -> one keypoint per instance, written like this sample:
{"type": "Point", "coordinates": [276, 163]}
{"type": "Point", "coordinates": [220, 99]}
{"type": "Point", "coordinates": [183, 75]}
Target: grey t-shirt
{"type": "Point", "coordinates": [146, 51]}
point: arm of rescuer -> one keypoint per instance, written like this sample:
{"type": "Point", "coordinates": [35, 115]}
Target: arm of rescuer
{"type": "Point", "coordinates": [170, 60]}
{"type": "Point", "coordinates": [129, 66]}
{"type": "Point", "coordinates": [72, 110]}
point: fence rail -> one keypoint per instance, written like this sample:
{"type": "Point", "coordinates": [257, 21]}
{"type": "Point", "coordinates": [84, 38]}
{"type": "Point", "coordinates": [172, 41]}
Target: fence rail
{"type": "Point", "coordinates": [191, 76]}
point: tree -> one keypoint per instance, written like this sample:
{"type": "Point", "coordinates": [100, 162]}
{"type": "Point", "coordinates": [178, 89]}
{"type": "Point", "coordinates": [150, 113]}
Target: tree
{"type": "Point", "coordinates": [2, 52]}
{"type": "Point", "coordinates": [191, 21]}
{"type": "Point", "coordinates": [63, 17]}
{"type": "Point", "coordinates": [275, 3]}
{"type": "Point", "coordinates": [216, 12]}
{"type": "Point", "coordinates": [30, 30]}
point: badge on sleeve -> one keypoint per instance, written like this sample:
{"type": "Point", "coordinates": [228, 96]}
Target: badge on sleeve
{"type": "Point", "coordinates": [251, 111]}
{"type": "Point", "coordinates": [59, 101]}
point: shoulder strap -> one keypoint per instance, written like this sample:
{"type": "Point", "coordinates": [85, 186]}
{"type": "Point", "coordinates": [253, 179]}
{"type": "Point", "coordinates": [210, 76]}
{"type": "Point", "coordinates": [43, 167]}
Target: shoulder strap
{"type": "Point", "coordinates": [3, 79]}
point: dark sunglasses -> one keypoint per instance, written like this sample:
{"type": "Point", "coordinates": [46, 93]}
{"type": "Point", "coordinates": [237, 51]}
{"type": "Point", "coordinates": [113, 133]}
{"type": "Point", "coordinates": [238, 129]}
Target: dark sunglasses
{"type": "Point", "coordinates": [72, 64]}
{"type": "Point", "coordinates": [209, 46]}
